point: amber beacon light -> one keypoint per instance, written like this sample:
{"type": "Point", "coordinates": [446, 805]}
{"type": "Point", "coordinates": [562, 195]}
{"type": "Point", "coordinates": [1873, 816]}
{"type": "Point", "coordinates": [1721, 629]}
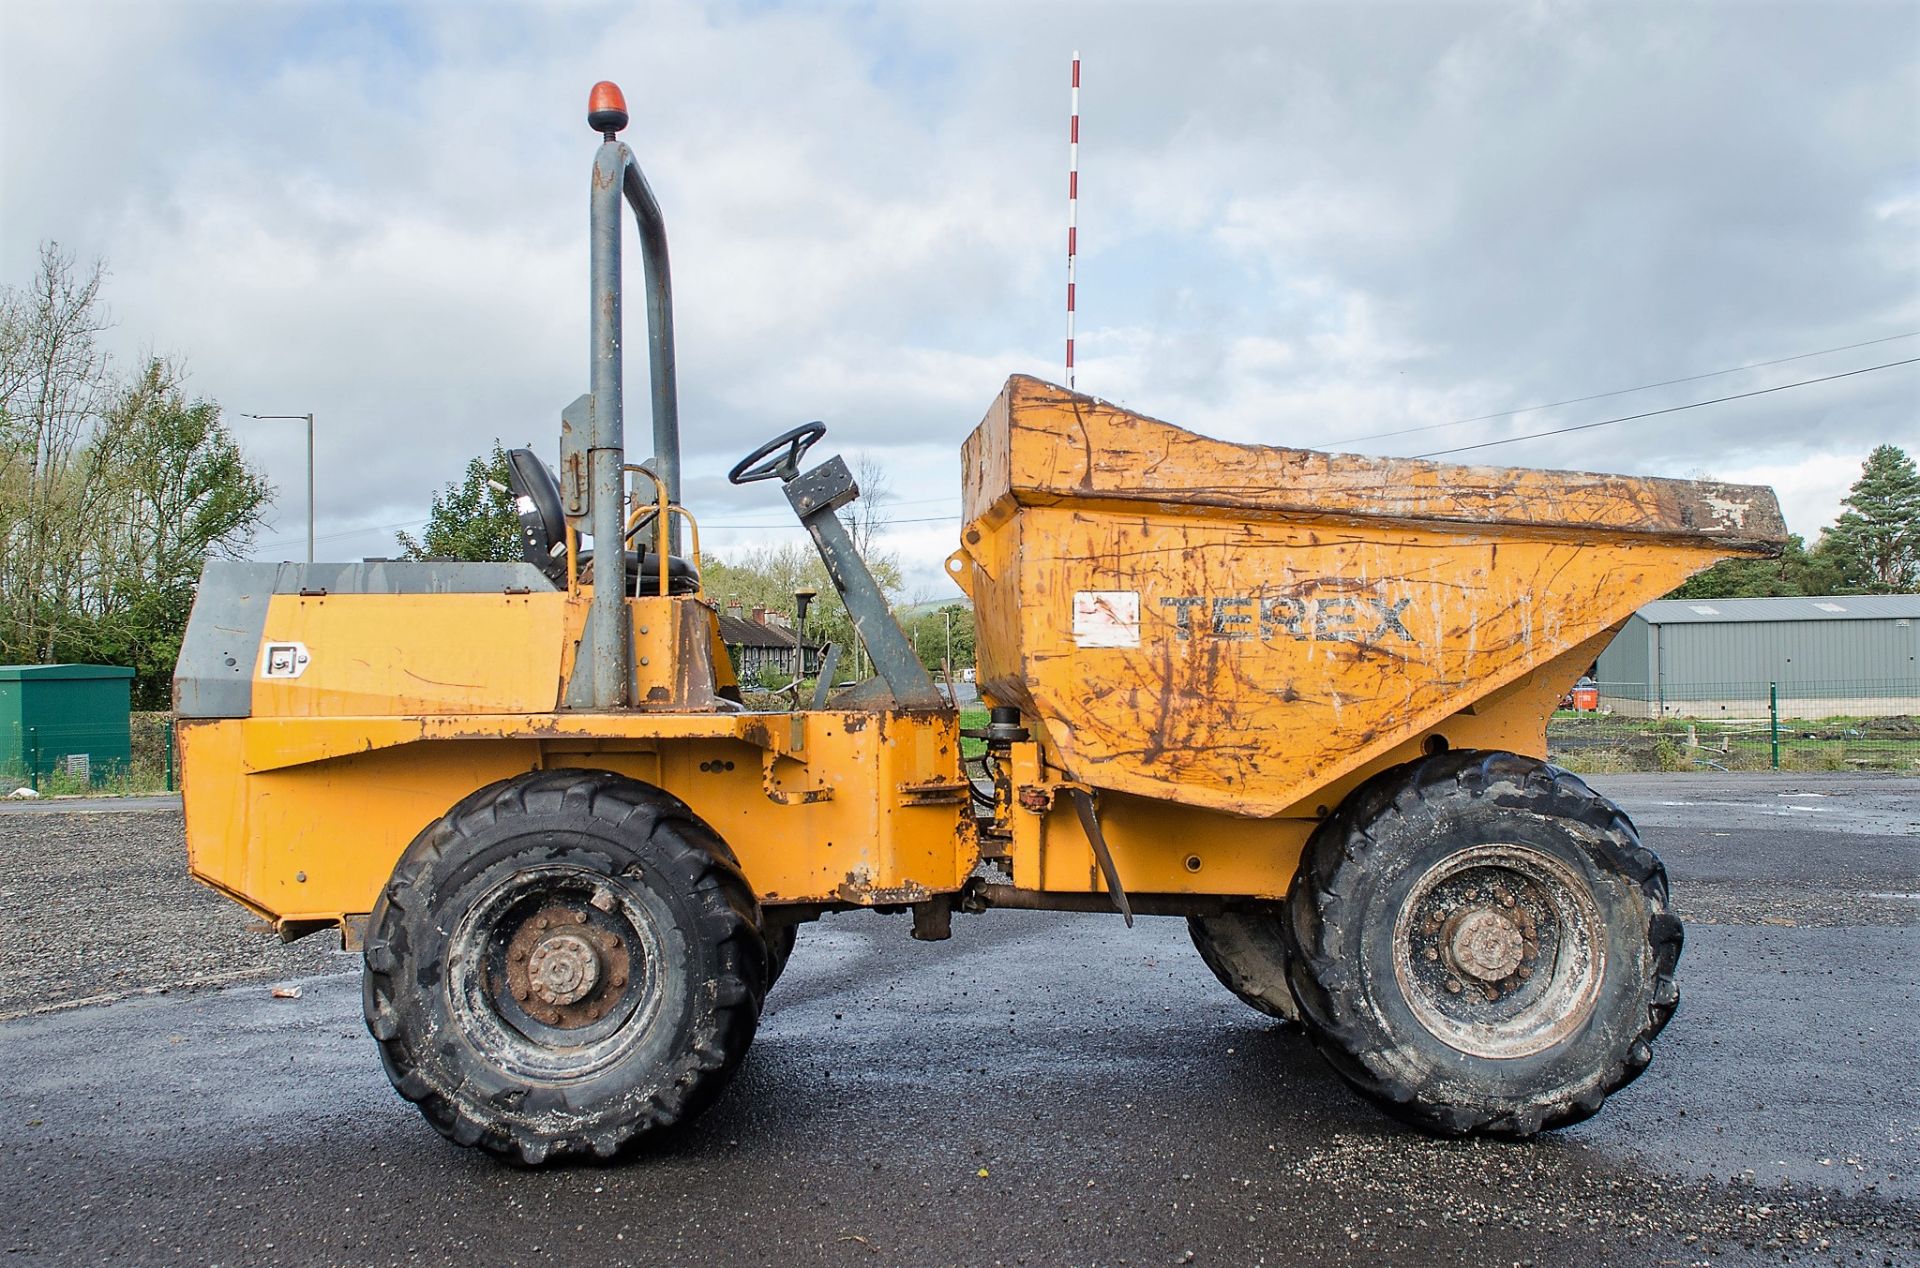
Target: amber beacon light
{"type": "Point", "coordinates": [606, 108]}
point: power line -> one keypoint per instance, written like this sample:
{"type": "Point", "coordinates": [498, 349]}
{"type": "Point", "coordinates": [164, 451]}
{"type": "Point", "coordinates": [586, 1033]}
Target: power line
{"type": "Point", "coordinates": [795, 524]}
{"type": "Point", "coordinates": [344, 533]}
{"type": "Point", "coordinates": [1672, 409]}
{"type": "Point", "coordinates": [1621, 391]}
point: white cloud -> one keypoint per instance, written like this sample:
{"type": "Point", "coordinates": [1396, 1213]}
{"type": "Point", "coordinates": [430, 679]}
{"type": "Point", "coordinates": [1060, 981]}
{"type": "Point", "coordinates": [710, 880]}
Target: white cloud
{"type": "Point", "coordinates": [1299, 224]}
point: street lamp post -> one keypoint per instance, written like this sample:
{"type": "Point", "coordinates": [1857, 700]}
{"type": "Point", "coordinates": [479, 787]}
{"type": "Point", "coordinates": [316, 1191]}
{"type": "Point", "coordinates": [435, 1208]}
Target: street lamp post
{"type": "Point", "coordinates": [309, 422]}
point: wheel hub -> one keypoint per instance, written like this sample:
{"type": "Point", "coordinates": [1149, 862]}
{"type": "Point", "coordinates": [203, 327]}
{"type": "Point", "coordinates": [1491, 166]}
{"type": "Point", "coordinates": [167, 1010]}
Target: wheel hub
{"type": "Point", "coordinates": [567, 967]}
{"type": "Point", "coordinates": [563, 968]}
{"type": "Point", "coordinates": [1497, 950]}
{"type": "Point", "coordinates": [1483, 942]}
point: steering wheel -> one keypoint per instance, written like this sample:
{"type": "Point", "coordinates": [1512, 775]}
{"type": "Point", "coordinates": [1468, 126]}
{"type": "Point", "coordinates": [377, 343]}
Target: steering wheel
{"type": "Point", "coordinates": [762, 463]}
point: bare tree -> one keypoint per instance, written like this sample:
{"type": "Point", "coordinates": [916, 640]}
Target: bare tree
{"type": "Point", "coordinates": [112, 492]}
{"type": "Point", "coordinates": [53, 380]}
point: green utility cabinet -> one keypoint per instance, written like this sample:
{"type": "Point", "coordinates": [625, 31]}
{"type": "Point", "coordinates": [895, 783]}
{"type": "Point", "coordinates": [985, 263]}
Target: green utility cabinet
{"type": "Point", "coordinates": [64, 717]}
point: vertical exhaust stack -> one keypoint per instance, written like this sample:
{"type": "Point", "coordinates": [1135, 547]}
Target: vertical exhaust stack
{"type": "Point", "coordinates": [602, 672]}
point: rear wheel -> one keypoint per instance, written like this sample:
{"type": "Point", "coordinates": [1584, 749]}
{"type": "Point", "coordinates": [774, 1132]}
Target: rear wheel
{"type": "Point", "coordinates": [780, 935]}
{"type": "Point", "coordinates": [1482, 945]}
{"type": "Point", "coordinates": [564, 963]}
{"type": "Point", "coordinates": [1247, 951]}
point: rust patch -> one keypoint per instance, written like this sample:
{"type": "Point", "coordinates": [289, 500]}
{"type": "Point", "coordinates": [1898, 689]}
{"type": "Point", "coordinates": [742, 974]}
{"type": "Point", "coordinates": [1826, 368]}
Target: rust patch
{"type": "Point", "coordinates": [859, 888]}
{"type": "Point", "coordinates": [934, 792]}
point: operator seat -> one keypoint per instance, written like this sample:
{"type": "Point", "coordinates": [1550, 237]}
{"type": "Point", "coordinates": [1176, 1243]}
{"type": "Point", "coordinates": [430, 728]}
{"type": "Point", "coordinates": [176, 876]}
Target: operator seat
{"type": "Point", "coordinates": [543, 534]}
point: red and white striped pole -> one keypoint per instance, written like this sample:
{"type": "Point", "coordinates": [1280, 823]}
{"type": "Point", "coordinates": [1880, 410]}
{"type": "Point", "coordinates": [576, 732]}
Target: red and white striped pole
{"type": "Point", "coordinates": [1073, 205]}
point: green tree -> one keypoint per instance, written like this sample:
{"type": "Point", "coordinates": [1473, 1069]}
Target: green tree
{"type": "Point", "coordinates": [767, 576]}
{"type": "Point", "coordinates": [1798, 571]}
{"type": "Point", "coordinates": [179, 493]}
{"type": "Point", "coordinates": [472, 518]}
{"type": "Point", "coordinates": [1874, 547]}
{"type": "Point", "coordinates": [934, 630]}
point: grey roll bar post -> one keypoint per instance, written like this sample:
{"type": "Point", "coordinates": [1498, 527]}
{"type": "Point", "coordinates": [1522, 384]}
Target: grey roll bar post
{"type": "Point", "coordinates": [605, 644]}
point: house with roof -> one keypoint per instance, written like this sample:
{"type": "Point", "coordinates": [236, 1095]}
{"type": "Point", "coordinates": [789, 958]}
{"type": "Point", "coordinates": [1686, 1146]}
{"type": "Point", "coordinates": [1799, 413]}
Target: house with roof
{"type": "Point", "coordinates": [760, 639]}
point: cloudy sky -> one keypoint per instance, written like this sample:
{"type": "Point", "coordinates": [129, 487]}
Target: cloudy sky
{"type": "Point", "coordinates": [1300, 224]}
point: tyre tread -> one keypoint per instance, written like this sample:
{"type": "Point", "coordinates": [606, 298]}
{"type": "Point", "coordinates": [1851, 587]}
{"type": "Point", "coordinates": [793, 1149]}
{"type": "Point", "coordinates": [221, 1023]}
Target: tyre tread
{"type": "Point", "coordinates": [1343, 848]}
{"type": "Point", "coordinates": [710, 876]}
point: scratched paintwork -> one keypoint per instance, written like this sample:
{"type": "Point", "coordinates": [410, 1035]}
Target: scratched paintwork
{"type": "Point", "coordinates": [1042, 444]}
{"type": "Point", "coordinates": [1300, 614]}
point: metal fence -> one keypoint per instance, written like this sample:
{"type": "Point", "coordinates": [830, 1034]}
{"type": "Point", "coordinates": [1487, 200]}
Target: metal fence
{"type": "Point", "coordinates": [1826, 724]}
{"type": "Point", "coordinates": [75, 758]}
{"type": "Point", "coordinates": [1831, 725]}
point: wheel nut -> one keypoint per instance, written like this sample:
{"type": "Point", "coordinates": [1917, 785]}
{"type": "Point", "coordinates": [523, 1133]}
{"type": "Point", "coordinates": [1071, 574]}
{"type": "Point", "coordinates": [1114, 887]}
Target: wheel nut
{"type": "Point", "coordinates": [1453, 986]}
{"type": "Point", "coordinates": [540, 922]}
{"type": "Point", "coordinates": [1524, 972]}
{"type": "Point", "coordinates": [520, 992]}
{"type": "Point", "coordinates": [619, 979]}
{"type": "Point", "coordinates": [1433, 953]}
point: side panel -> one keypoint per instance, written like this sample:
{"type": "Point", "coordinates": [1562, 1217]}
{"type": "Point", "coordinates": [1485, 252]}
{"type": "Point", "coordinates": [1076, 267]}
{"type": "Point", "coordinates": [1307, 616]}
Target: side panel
{"type": "Point", "coordinates": [219, 653]}
{"type": "Point", "coordinates": [863, 808]}
{"type": "Point", "coordinates": [384, 654]}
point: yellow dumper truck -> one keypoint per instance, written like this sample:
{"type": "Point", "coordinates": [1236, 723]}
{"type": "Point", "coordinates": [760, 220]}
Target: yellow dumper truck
{"type": "Point", "coordinates": [1297, 698]}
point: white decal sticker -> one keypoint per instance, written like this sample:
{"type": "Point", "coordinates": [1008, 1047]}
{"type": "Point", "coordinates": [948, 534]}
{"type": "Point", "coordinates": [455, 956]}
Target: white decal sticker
{"type": "Point", "coordinates": [1106, 618]}
{"type": "Point", "coordinates": [283, 660]}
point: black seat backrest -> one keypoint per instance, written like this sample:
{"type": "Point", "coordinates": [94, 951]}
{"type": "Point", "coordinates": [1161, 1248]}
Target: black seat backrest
{"type": "Point", "coordinates": [543, 533]}
{"type": "Point", "coordinates": [536, 498]}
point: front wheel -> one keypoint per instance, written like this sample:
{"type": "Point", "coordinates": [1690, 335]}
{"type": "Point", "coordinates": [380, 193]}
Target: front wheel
{"type": "Point", "coordinates": [1480, 944]}
{"type": "Point", "coordinates": [564, 963]}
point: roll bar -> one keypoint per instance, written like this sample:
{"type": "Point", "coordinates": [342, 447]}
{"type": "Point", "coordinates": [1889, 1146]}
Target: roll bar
{"type": "Point", "coordinates": [601, 674]}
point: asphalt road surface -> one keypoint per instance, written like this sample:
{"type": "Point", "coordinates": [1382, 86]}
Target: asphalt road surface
{"type": "Point", "coordinates": [1043, 1089]}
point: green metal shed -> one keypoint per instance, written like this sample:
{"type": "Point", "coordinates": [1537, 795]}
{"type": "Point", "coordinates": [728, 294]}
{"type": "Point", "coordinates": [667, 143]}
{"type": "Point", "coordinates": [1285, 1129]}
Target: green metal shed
{"type": "Point", "coordinates": [71, 716]}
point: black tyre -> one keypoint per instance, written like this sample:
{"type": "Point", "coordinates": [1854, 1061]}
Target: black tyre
{"type": "Point", "coordinates": [564, 963]}
{"type": "Point", "coordinates": [1247, 951]}
{"type": "Point", "coordinates": [780, 936]}
{"type": "Point", "coordinates": [1481, 945]}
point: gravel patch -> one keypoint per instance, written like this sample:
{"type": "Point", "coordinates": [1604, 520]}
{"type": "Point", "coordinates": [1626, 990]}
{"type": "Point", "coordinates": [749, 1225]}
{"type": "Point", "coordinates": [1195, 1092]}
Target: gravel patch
{"type": "Point", "coordinates": [101, 905]}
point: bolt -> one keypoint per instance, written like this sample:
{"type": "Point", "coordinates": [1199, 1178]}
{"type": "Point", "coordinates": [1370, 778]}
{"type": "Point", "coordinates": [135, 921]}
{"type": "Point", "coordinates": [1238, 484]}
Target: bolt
{"type": "Point", "coordinates": [1506, 899]}
{"type": "Point", "coordinates": [1453, 986]}
{"type": "Point", "coordinates": [519, 956]}
{"type": "Point", "coordinates": [1472, 893]}
{"type": "Point", "coordinates": [611, 941]}
{"type": "Point", "coordinates": [1524, 972]}
{"type": "Point", "coordinates": [1433, 953]}
{"type": "Point", "coordinates": [619, 979]}
{"type": "Point", "coordinates": [519, 992]}
{"type": "Point", "coordinates": [540, 922]}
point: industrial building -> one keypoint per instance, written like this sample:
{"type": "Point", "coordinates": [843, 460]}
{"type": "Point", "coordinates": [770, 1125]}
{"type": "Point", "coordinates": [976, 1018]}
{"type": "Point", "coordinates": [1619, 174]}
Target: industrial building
{"type": "Point", "coordinates": [1836, 656]}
